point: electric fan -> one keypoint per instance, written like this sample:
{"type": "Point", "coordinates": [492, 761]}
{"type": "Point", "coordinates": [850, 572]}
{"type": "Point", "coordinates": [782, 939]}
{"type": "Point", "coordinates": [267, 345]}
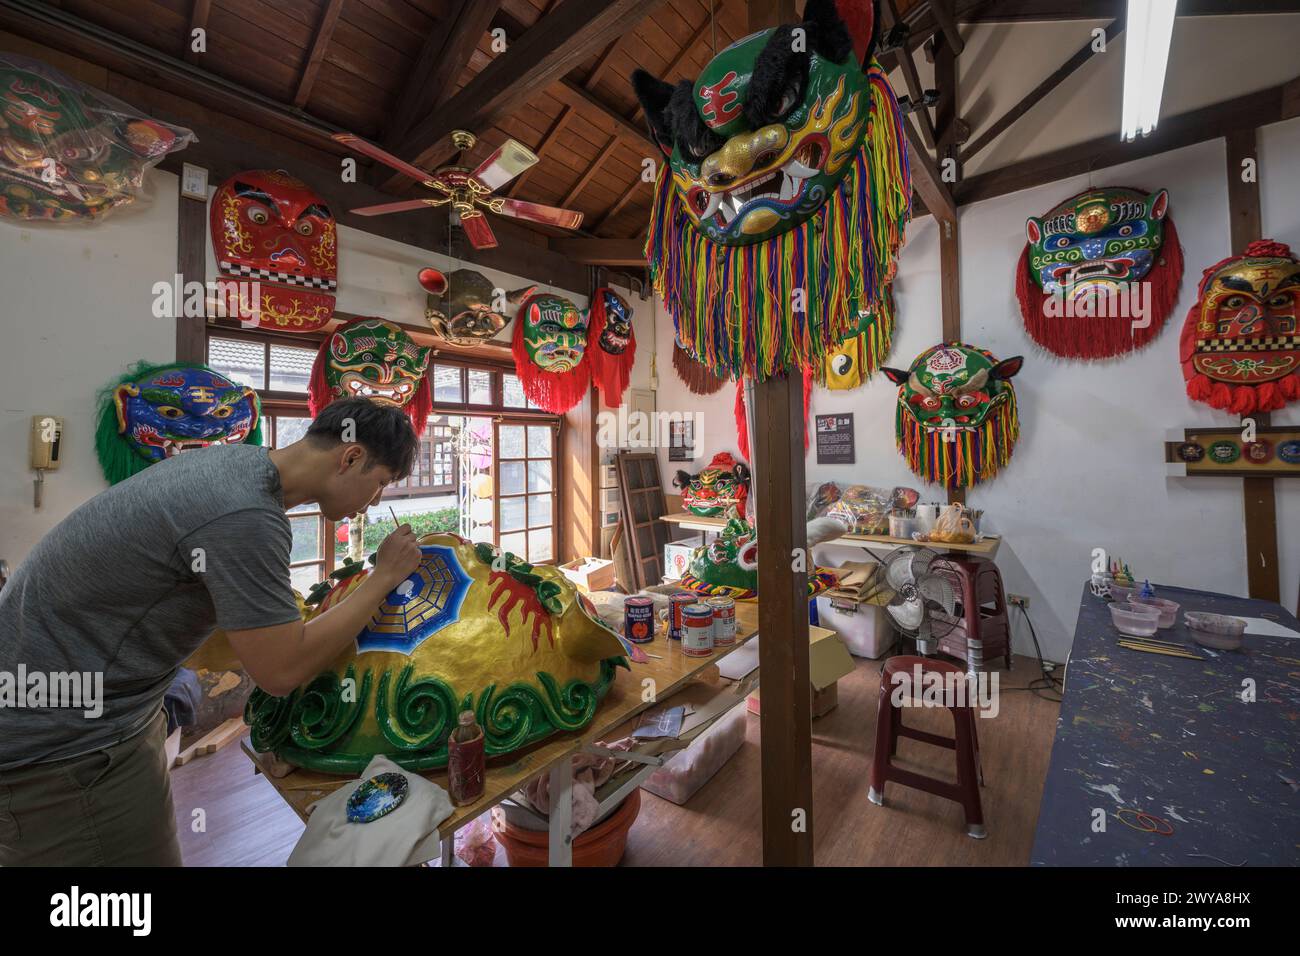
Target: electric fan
{"type": "Point", "coordinates": [923, 604]}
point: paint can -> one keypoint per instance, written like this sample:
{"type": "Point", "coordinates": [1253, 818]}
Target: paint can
{"type": "Point", "coordinates": [724, 621]}
{"type": "Point", "coordinates": [639, 620]}
{"type": "Point", "coordinates": [697, 630]}
{"type": "Point", "coordinates": [676, 604]}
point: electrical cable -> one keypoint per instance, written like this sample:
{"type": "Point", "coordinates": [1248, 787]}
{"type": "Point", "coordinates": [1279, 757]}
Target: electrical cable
{"type": "Point", "coordinates": [1049, 683]}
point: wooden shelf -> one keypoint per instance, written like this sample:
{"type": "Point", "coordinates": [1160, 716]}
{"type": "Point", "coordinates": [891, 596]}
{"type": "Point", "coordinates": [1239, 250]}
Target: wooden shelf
{"type": "Point", "coordinates": [986, 548]}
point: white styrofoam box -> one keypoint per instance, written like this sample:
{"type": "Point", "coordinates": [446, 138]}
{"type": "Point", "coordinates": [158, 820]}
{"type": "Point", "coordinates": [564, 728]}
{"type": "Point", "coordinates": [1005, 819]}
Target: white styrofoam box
{"type": "Point", "coordinates": [677, 559]}
{"type": "Point", "coordinates": [865, 630]}
{"type": "Point", "coordinates": [608, 476]}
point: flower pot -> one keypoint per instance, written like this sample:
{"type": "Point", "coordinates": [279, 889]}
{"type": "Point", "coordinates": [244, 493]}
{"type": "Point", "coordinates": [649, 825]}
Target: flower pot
{"type": "Point", "coordinates": [602, 845]}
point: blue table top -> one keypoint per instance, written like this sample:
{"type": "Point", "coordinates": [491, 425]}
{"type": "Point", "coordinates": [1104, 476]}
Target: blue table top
{"type": "Point", "coordinates": [1173, 738]}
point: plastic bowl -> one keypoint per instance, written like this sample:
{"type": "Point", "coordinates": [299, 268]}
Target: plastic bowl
{"type": "Point", "coordinates": [1218, 631]}
{"type": "Point", "coordinates": [1138, 620]}
{"type": "Point", "coordinates": [1168, 609]}
{"type": "Point", "coordinates": [1123, 592]}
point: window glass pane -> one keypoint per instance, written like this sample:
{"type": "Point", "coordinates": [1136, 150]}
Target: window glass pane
{"type": "Point", "coordinates": [516, 543]}
{"type": "Point", "coordinates": [239, 360]}
{"type": "Point", "coordinates": [306, 538]}
{"type": "Point", "coordinates": [539, 510]}
{"type": "Point", "coordinates": [539, 476]}
{"type": "Point", "coordinates": [511, 476]}
{"type": "Point", "coordinates": [291, 368]}
{"type": "Point", "coordinates": [289, 430]}
{"type": "Point", "coordinates": [446, 384]}
{"type": "Point", "coordinates": [539, 546]}
{"type": "Point", "coordinates": [304, 577]}
{"type": "Point", "coordinates": [539, 441]}
{"type": "Point", "coordinates": [480, 387]}
{"type": "Point", "coordinates": [512, 441]}
{"type": "Point", "coordinates": [512, 514]}
{"type": "Point", "coordinates": [309, 508]}
{"type": "Point", "coordinates": [513, 392]}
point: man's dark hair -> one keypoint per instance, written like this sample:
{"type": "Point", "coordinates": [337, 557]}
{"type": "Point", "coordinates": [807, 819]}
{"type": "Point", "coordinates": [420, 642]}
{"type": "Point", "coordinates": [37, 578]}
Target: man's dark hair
{"type": "Point", "coordinates": [382, 430]}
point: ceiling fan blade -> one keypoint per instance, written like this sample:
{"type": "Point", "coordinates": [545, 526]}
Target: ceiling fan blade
{"type": "Point", "coordinates": [535, 212]}
{"type": "Point", "coordinates": [384, 209]}
{"type": "Point", "coordinates": [480, 233]}
{"type": "Point", "coordinates": [383, 156]}
{"type": "Point", "coordinates": [510, 159]}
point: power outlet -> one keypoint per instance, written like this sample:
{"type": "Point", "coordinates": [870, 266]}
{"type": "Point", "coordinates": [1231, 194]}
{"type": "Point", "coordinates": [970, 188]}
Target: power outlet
{"type": "Point", "coordinates": [1019, 600]}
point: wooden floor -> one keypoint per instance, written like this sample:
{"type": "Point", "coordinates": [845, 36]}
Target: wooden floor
{"type": "Point", "coordinates": [247, 824]}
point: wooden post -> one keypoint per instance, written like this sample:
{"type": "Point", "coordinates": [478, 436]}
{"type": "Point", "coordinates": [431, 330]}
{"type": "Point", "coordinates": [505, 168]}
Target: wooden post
{"type": "Point", "coordinates": [786, 713]}
{"type": "Point", "coordinates": [191, 265]}
{"type": "Point", "coordinates": [1259, 504]}
{"type": "Point", "coordinates": [945, 77]}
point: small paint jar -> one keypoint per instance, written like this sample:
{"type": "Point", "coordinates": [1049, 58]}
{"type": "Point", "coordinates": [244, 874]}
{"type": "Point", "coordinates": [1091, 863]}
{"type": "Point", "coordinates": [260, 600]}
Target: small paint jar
{"type": "Point", "coordinates": [724, 621]}
{"type": "Point", "coordinates": [639, 620]}
{"type": "Point", "coordinates": [697, 630]}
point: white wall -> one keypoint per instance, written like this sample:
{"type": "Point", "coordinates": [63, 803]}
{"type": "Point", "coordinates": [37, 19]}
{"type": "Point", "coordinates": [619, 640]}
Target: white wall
{"type": "Point", "coordinates": [1088, 471]}
{"type": "Point", "coordinates": [76, 310]}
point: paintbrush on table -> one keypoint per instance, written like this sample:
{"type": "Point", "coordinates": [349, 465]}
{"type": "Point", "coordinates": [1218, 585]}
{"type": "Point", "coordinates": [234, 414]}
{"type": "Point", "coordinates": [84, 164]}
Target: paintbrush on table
{"type": "Point", "coordinates": [1167, 652]}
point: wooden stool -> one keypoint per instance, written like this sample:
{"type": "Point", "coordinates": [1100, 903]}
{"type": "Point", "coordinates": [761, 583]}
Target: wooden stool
{"type": "Point", "coordinates": [889, 727]}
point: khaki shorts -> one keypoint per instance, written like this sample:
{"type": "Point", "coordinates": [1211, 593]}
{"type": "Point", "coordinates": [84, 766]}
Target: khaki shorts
{"type": "Point", "coordinates": [112, 807]}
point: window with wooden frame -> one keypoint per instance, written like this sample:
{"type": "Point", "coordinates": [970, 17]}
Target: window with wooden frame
{"type": "Point", "coordinates": [521, 499]}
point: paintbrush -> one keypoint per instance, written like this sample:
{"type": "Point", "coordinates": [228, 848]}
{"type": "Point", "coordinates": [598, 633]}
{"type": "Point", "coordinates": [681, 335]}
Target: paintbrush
{"type": "Point", "coordinates": [1152, 640]}
{"type": "Point", "coordinates": [396, 523]}
{"type": "Point", "coordinates": [1160, 650]}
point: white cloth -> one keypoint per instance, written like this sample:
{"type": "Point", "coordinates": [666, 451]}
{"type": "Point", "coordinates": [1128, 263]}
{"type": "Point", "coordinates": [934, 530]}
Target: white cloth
{"type": "Point", "coordinates": [405, 837]}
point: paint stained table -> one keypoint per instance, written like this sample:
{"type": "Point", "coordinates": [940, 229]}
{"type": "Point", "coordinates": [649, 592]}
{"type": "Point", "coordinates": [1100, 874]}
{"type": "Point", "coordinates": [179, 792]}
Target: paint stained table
{"type": "Point", "coordinates": [1173, 738]}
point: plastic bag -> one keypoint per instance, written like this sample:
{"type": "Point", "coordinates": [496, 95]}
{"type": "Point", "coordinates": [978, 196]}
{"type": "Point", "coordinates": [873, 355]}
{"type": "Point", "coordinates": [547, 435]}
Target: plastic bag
{"type": "Point", "coordinates": [69, 152]}
{"type": "Point", "coordinates": [860, 508]}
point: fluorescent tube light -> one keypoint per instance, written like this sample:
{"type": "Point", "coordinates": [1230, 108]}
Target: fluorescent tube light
{"type": "Point", "coordinates": [1150, 28]}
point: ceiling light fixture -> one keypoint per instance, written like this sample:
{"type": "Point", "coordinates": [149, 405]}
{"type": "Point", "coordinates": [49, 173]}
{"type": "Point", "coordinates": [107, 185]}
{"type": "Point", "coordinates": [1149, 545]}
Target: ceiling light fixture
{"type": "Point", "coordinates": [1150, 29]}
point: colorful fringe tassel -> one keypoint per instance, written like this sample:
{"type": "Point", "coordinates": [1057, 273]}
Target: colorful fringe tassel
{"type": "Point", "coordinates": [1099, 337]}
{"type": "Point", "coordinates": [821, 579]}
{"type": "Point", "coordinates": [970, 457]}
{"type": "Point", "coordinates": [733, 305]}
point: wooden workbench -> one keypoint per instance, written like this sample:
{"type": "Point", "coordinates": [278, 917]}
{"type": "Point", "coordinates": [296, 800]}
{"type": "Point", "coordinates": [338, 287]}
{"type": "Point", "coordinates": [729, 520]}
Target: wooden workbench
{"type": "Point", "coordinates": [985, 548]}
{"type": "Point", "coordinates": [626, 698]}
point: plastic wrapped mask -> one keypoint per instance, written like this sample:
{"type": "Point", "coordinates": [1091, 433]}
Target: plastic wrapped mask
{"type": "Point", "coordinates": [956, 421]}
{"type": "Point", "coordinates": [520, 647]}
{"type": "Point", "coordinates": [1240, 345]}
{"type": "Point", "coordinates": [279, 238]}
{"type": "Point", "coordinates": [465, 308]}
{"type": "Point", "coordinates": [157, 411]}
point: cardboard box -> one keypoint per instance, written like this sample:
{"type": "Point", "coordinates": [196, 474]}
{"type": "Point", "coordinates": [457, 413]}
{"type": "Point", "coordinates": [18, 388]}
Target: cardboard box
{"type": "Point", "coordinates": [828, 661]}
{"type": "Point", "coordinates": [677, 559]}
{"type": "Point", "coordinates": [590, 574]}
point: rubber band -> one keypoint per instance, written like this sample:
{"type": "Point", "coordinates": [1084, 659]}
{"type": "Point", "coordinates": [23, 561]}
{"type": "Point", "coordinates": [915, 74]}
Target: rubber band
{"type": "Point", "coordinates": [1145, 818]}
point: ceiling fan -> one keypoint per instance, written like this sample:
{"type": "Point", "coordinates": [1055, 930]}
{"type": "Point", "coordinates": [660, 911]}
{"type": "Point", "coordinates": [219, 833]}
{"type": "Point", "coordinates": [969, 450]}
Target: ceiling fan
{"type": "Point", "coordinates": [465, 190]}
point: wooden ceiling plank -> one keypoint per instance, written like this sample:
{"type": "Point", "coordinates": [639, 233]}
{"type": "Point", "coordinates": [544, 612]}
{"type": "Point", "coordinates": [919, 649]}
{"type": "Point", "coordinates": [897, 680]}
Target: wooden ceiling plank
{"type": "Point", "coordinates": [926, 179]}
{"type": "Point", "coordinates": [329, 18]}
{"type": "Point", "coordinates": [443, 56]}
{"type": "Point", "coordinates": [543, 147]}
{"type": "Point", "coordinates": [535, 60]}
{"type": "Point", "coordinates": [618, 206]}
{"type": "Point", "coordinates": [198, 21]}
{"type": "Point", "coordinates": [590, 171]}
{"type": "Point", "coordinates": [600, 252]}
{"type": "Point", "coordinates": [1059, 76]}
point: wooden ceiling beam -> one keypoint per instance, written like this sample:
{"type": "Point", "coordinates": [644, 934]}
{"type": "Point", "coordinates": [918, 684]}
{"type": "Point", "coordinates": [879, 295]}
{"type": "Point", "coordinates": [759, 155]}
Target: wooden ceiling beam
{"type": "Point", "coordinates": [1059, 76]}
{"type": "Point", "coordinates": [573, 95]}
{"type": "Point", "coordinates": [615, 209]}
{"type": "Point", "coordinates": [536, 60]}
{"type": "Point", "coordinates": [903, 60]}
{"type": "Point", "coordinates": [198, 21]}
{"type": "Point", "coordinates": [926, 178]}
{"type": "Point", "coordinates": [442, 58]}
{"type": "Point", "coordinates": [324, 31]}
{"type": "Point", "coordinates": [601, 252]}
{"type": "Point", "coordinates": [945, 14]}
{"type": "Point", "coordinates": [1174, 132]}
{"type": "Point", "coordinates": [590, 171]}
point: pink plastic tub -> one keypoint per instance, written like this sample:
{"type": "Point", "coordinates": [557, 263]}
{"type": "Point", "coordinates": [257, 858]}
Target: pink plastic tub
{"type": "Point", "coordinates": [1168, 609]}
{"type": "Point", "coordinates": [1138, 620]}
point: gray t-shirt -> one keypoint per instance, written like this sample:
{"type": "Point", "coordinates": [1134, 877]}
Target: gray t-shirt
{"type": "Point", "coordinates": [130, 584]}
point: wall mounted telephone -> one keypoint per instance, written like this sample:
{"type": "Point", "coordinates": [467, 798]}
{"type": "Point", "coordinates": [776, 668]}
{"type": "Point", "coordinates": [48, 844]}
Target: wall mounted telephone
{"type": "Point", "coordinates": [47, 449]}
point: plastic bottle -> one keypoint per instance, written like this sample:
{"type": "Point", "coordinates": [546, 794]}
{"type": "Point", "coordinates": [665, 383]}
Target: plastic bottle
{"type": "Point", "coordinates": [466, 761]}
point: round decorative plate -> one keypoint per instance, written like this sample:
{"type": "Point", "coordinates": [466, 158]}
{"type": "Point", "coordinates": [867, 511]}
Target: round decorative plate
{"type": "Point", "coordinates": [1225, 452]}
{"type": "Point", "coordinates": [1258, 452]}
{"type": "Point", "coordinates": [377, 797]}
{"type": "Point", "coordinates": [1190, 451]}
{"type": "Point", "coordinates": [1289, 452]}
